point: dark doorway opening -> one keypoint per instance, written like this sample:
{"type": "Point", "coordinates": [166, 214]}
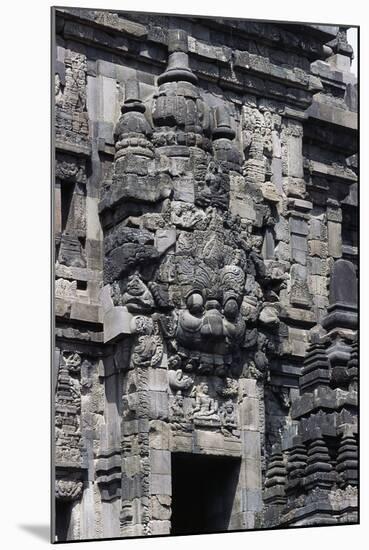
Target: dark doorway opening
{"type": "Point", "coordinates": [62, 520]}
{"type": "Point", "coordinates": [203, 491]}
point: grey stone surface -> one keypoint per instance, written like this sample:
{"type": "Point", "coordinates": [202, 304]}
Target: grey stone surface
{"type": "Point", "coordinates": [206, 198]}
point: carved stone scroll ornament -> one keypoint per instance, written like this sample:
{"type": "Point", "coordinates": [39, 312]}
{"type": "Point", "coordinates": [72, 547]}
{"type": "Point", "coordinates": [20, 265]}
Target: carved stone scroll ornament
{"type": "Point", "coordinates": [68, 490]}
{"type": "Point", "coordinates": [179, 381]}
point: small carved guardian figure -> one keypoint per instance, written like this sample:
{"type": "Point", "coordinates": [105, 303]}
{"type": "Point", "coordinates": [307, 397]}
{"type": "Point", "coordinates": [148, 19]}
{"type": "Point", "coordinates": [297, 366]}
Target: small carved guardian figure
{"type": "Point", "coordinates": [137, 298]}
{"type": "Point", "coordinates": [178, 416]}
{"type": "Point", "coordinates": [214, 190]}
{"type": "Point", "coordinates": [205, 412]}
{"type": "Point", "coordinates": [229, 388]}
{"type": "Point", "coordinates": [228, 416]}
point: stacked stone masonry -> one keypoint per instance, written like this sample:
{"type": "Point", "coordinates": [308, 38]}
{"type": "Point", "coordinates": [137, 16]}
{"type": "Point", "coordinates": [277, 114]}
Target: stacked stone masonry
{"type": "Point", "coordinates": [206, 275]}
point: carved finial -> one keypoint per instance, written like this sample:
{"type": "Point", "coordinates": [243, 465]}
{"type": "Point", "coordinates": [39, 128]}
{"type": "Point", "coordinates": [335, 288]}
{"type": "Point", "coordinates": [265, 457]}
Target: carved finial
{"type": "Point", "coordinates": [223, 127]}
{"type": "Point", "coordinates": [178, 66]}
{"type": "Point", "coordinates": [132, 101]}
{"type": "Point", "coordinates": [132, 130]}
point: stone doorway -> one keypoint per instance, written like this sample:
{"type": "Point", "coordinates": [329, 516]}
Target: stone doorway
{"type": "Point", "coordinates": [203, 492]}
{"type": "Point", "coordinates": [62, 520]}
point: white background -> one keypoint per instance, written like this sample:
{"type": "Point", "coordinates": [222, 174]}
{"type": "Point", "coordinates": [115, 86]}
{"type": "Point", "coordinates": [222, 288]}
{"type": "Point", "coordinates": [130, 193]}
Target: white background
{"type": "Point", "coordinates": [25, 280]}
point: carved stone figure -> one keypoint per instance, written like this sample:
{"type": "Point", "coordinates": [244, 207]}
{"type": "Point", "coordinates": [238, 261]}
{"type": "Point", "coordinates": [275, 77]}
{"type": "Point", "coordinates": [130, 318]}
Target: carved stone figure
{"type": "Point", "coordinates": [178, 417]}
{"type": "Point", "coordinates": [137, 298]}
{"type": "Point", "coordinates": [228, 416]}
{"type": "Point", "coordinates": [205, 411]}
{"type": "Point", "coordinates": [148, 350]}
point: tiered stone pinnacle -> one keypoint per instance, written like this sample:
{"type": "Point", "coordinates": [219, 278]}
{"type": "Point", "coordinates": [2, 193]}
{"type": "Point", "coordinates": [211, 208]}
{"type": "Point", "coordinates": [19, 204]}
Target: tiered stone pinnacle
{"type": "Point", "coordinates": [347, 459]}
{"type": "Point", "coordinates": [315, 371]}
{"type": "Point", "coordinates": [296, 465]}
{"type": "Point", "coordinates": [275, 478]}
{"type": "Point", "coordinates": [318, 471]}
{"type": "Point", "coordinates": [353, 367]}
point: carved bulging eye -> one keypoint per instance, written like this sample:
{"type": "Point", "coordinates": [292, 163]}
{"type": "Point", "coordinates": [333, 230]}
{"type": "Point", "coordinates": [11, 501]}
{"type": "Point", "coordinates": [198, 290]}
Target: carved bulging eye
{"type": "Point", "coordinates": [195, 302]}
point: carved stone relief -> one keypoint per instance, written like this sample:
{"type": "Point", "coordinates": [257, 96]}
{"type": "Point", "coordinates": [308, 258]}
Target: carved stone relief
{"type": "Point", "coordinates": [201, 214]}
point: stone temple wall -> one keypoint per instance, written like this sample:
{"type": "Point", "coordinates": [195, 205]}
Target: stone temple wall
{"type": "Point", "coordinates": [206, 265]}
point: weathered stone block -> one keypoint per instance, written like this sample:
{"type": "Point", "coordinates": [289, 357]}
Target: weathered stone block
{"type": "Point", "coordinates": [298, 242]}
{"type": "Point", "coordinates": [158, 379]}
{"type": "Point", "coordinates": [249, 414]}
{"type": "Point", "coordinates": [318, 248]}
{"type": "Point", "coordinates": [294, 187]}
{"type": "Point", "coordinates": [132, 487]}
{"type": "Point", "coordinates": [299, 256]}
{"type": "Point", "coordinates": [298, 226]}
{"type": "Point", "coordinates": [250, 474]}
{"type": "Point", "coordinates": [85, 312]}
{"type": "Point", "coordinates": [117, 322]}
{"type": "Point", "coordinates": [160, 527]}
{"type": "Point", "coordinates": [184, 189]}
{"type": "Point", "coordinates": [251, 446]}
{"type": "Point", "coordinates": [131, 466]}
{"type": "Point", "coordinates": [248, 388]}
{"type": "Point", "coordinates": [317, 229]}
{"type": "Point", "coordinates": [159, 405]}
{"type": "Point", "coordinates": [161, 509]}
{"type": "Point", "coordinates": [281, 229]}
{"type": "Point", "coordinates": [294, 157]}
{"type": "Point", "coordinates": [298, 339]}
{"type": "Point", "coordinates": [159, 434]}
{"type": "Point", "coordinates": [334, 239]}
{"type": "Point", "coordinates": [208, 442]}
{"type": "Point", "coordinates": [317, 266]}
{"type": "Point", "coordinates": [160, 462]}
{"type": "Point", "coordinates": [165, 239]}
{"type": "Point", "coordinates": [181, 443]}
{"type": "Point", "coordinates": [160, 484]}
{"type": "Point", "coordinates": [318, 285]}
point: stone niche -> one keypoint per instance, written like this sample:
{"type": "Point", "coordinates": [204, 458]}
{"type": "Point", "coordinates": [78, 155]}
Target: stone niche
{"type": "Point", "coordinates": [206, 371]}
